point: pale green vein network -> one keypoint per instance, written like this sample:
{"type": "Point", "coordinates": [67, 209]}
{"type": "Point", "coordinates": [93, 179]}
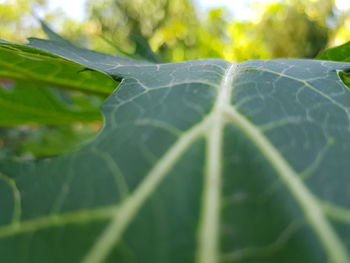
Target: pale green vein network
{"type": "Point", "coordinates": [62, 194]}
{"type": "Point", "coordinates": [311, 207]}
{"type": "Point", "coordinates": [211, 128]}
{"type": "Point", "coordinates": [161, 125]}
{"type": "Point", "coordinates": [16, 215]}
{"type": "Point", "coordinates": [121, 215]}
{"type": "Point", "coordinates": [115, 171]}
{"type": "Point", "coordinates": [208, 250]}
{"type": "Point", "coordinates": [61, 219]}
{"type": "Point", "coordinates": [266, 250]}
{"type": "Point", "coordinates": [336, 212]}
{"type": "Point", "coordinates": [128, 209]}
{"type": "Point", "coordinates": [308, 85]}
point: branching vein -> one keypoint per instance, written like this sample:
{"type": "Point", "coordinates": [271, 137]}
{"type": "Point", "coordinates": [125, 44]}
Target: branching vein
{"type": "Point", "coordinates": [307, 201]}
{"type": "Point", "coordinates": [129, 208]}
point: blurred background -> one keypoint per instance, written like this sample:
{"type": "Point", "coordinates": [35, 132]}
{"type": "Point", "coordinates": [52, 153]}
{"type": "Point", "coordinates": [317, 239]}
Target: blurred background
{"type": "Point", "coordinates": [183, 29]}
{"type": "Point", "coordinates": [166, 31]}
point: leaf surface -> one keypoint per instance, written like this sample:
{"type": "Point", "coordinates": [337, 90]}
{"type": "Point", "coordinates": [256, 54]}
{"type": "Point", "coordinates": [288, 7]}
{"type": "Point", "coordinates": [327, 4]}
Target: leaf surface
{"type": "Point", "coordinates": [24, 63]}
{"type": "Point", "coordinates": [338, 53]}
{"type": "Point", "coordinates": [24, 103]}
{"type": "Point", "coordinates": [201, 161]}
{"type": "Point", "coordinates": [27, 76]}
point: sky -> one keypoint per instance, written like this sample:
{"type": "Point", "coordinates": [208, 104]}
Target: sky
{"type": "Point", "coordinates": [73, 8]}
{"type": "Point", "coordinates": [239, 8]}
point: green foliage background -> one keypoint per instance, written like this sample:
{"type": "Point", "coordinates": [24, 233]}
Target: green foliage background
{"type": "Point", "coordinates": [156, 30]}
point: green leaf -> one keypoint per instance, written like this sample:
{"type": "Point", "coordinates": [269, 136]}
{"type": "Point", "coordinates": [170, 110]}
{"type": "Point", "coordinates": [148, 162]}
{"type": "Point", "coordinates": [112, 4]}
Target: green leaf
{"type": "Point", "coordinates": [24, 63]}
{"type": "Point", "coordinates": [202, 161]}
{"type": "Point", "coordinates": [52, 35]}
{"type": "Point", "coordinates": [339, 53]}
{"type": "Point", "coordinates": [109, 64]}
{"type": "Point", "coordinates": [143, 49]}
{"type": "Point", "coordinates": [27, 103]}
{"type": "Point", "coordinates": [35, 102]}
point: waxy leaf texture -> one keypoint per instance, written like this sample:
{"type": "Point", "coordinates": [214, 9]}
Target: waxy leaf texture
{"type": "Point", "coordinates": [201, 161]}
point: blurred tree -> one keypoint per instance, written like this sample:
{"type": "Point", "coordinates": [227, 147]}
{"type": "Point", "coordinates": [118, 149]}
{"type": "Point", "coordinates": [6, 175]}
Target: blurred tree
{"type": "Point", "coordinates": [17, 21]}
{"type": "Point", "coordinates": [341, 33]}
{"type": "Point", "coordinates": [176, 31]}
{"type": "Point", "coordinates": [167, 24]}
{"type": "Point", "coordinates": [294, 28]}
{"type": "Point", "coordinates": [172, 28]}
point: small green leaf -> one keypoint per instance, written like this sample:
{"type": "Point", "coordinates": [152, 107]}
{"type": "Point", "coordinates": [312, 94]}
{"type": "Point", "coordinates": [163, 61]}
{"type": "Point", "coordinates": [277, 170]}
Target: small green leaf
{"type": "Point", "coordinates": [52, 35]}
{"type": "Point", "coordinates": [30, 98]}
{"type": "Point", "coordinates": [24, 63]}
{"type": "Point", "coordinates": [27, 103]}
{"type": "Point", "coordinates": [339, 53]}
{"type": "Point", "coordinates": [143, 49]}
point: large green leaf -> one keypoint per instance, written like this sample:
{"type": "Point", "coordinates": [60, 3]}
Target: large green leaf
{"type": "Point", "coordinates": [202, 161]}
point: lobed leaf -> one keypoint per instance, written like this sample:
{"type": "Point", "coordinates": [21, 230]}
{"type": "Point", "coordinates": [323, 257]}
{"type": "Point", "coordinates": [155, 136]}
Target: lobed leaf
{"type": "Point", "coordinates": [201, 161]}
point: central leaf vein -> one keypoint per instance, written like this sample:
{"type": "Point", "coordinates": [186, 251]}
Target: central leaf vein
{"type": "Point", "coordinates": [208, 234]}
